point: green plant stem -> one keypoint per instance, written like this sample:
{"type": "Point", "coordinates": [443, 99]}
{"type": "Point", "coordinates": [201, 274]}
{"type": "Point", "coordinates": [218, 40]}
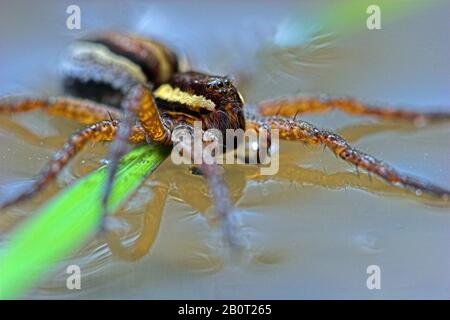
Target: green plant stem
{"type": "Point", "coordinates": [64, 223]}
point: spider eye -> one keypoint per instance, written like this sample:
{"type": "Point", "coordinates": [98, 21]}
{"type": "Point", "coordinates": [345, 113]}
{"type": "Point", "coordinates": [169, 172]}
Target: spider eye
{"type": "Point", "coordinates": [227, 82]}
{"type": "Point", "coordinates": [219, 84]}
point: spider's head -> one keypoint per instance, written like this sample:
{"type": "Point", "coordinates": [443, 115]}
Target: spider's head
{"type": "Point", "coordinates": [213, 98]}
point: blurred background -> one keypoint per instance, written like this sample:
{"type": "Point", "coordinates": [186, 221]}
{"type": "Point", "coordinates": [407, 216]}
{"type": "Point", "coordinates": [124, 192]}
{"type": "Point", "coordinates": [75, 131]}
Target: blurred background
{"type": "Point", "coordinates": [314, 228]}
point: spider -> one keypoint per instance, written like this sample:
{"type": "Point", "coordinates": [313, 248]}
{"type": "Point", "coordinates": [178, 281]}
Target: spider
{"type": "Point", "coordinates": [135, 91]}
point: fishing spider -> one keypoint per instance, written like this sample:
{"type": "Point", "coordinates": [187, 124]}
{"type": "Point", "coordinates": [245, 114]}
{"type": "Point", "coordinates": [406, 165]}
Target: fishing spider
{"type": "Point", "coordinates": [115, 69]}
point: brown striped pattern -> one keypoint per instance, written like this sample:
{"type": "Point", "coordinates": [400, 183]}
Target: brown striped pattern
{"type": "Point", "coordinates": [157, 61]}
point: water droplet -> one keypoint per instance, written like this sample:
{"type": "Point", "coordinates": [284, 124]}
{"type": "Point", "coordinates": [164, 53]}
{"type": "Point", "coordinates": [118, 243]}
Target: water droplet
{"type": "Point", "coordinates": [419, 192]}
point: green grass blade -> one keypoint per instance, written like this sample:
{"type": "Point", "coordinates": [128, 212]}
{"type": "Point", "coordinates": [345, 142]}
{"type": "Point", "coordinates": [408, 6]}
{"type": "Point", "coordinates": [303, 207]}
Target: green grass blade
{"type": "Point", "coordinates": [350, 16]}
{"type": "Point", "coordinates": [345, 18]}
{"type": "Point", "coordinates": [64, 223]}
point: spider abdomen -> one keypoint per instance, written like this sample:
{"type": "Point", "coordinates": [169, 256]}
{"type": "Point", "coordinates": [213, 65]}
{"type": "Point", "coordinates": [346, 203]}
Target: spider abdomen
{"type": "Point", "coordinates": [103, 68]}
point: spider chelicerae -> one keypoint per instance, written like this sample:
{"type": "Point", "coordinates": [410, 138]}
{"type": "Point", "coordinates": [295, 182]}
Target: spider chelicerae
{"type": "Point", "coordinates": [134, 92]}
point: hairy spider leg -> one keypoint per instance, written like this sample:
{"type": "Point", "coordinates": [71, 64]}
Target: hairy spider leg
{"type": "Point", "coordinates": [100, 131]}
{"type": "Point", "coordinates": [80, 110]}
{"type": "Point", "coordinates": [300, 105]}
{"type": "Point", "coordinates": [255, 123]}
{"type": "Point", "coordinates": [305, 132]}
{"type": "Point", "coordinates": [341, 179]}
{"type": "Point", "coordinates": [138, 103]}
{"type": "Point", "coordinates": [214, 177]}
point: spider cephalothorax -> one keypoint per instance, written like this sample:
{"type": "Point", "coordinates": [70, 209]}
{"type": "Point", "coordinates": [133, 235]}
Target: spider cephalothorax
{"type": "Point", "coordinates": [142, 77]}
{"type": "Point", "coordinates": [198, 96]}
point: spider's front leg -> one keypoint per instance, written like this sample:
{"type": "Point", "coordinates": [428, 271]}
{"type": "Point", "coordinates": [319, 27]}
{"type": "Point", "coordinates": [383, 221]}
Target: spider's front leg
{"type": "Point", "coordinates": [101, 131]}
{"type": "Point", "coordinates": [298, 130]}
{"type": "Point", "coordinates": [184, 142]}
{"type": "Point", "coordinates": [301, 105]}
{"type": "Point", "coordinates": [138, 105]}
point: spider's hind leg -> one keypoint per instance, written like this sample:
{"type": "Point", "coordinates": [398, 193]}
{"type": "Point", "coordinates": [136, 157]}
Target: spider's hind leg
{"type": "Point", "coordinates": [82, 111]}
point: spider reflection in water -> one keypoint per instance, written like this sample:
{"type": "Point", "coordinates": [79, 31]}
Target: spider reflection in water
{"type": "Point", "coordinates": [116, 73]}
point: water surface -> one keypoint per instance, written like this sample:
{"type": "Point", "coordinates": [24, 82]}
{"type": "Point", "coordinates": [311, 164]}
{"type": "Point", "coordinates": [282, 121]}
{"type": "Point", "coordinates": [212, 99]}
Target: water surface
{"type": "Point", "coordinates": [315, 227]}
